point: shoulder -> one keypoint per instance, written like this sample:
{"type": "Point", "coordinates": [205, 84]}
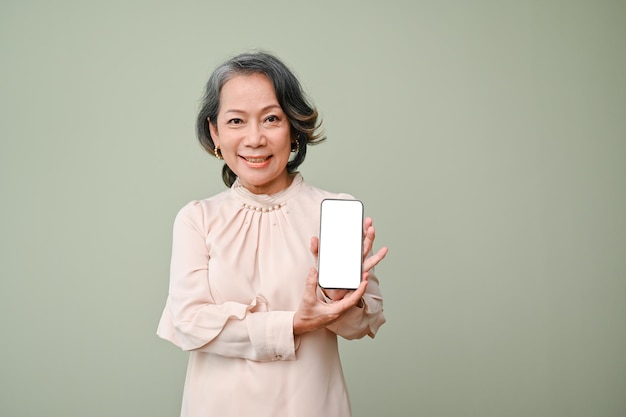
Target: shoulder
{"type": "Point", "coordinates": [199, 211]}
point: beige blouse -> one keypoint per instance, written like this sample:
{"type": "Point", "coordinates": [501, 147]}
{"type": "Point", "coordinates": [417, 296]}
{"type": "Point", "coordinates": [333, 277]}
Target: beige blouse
{"type": "Point", "coordinates": [238, 268]}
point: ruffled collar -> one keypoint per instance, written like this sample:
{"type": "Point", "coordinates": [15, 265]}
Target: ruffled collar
{"type": "Point", "coordinates": [266, 202]}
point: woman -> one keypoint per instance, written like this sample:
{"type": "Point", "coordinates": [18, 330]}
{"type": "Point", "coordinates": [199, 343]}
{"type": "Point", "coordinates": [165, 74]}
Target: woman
{"type": "Point", "coordinates": [243, 296]}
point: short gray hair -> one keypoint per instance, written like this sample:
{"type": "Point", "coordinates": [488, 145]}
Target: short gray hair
{"type": "Point", "coordinates": [303, 117]}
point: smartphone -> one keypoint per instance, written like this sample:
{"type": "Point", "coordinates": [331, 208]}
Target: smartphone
{"type": "Point", "coordinates": [340, 254]}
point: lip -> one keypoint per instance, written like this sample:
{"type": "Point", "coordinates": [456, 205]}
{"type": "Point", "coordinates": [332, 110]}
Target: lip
{"type": "Point", "coordinates": [256, 160]}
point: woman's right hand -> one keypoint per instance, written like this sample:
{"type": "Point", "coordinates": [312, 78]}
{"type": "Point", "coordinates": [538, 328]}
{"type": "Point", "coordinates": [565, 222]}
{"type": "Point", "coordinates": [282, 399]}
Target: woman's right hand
{"type": "Point", "coordinates": [314, 313]}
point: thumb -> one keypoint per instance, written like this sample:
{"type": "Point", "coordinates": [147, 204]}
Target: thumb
{"type": "Point", "coordinates": [311, 281]}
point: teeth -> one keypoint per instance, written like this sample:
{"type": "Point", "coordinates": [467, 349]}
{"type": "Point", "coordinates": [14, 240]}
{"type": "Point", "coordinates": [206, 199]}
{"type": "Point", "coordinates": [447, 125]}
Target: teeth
{"type": "Point", "coordinates": [256, 160]}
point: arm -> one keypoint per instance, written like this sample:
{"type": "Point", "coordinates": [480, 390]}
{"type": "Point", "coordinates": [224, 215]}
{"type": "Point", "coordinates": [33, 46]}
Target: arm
{"type": "Point", "coordinates": [193, 321]}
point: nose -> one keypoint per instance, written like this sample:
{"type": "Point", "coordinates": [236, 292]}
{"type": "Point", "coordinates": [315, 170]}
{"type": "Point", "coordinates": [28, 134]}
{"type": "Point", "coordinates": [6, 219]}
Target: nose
{"type": "Point", "coordinates": [255, 137]}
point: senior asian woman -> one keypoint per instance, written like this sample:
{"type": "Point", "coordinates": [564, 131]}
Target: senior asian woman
{"type": "Point", "coordinates": [243, 295]}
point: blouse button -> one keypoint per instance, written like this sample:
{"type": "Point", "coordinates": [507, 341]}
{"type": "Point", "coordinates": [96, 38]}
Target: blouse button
{"type": "Point", "coordinates": [278, 357]}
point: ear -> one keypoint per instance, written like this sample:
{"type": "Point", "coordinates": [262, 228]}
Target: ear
{"type": "Point", "coordinates": [214, 134]}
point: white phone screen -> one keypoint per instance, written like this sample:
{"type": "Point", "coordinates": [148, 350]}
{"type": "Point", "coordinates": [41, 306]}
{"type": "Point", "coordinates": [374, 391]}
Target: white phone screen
{"type": "Point", "coordinates": [340, 256]}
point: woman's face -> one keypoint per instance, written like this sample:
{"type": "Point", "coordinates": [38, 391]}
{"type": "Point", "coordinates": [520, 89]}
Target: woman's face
{"type": "Point", "coordinates": [253, 133]}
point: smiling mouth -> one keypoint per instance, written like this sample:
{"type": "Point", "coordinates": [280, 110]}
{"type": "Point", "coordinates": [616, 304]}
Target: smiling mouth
{"type": "Point", "coordinates": [256, 160]}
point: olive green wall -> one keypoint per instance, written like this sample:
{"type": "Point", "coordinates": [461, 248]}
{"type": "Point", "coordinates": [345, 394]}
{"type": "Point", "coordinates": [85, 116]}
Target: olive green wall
{"type": "Point", "coordinates": [486, 138]}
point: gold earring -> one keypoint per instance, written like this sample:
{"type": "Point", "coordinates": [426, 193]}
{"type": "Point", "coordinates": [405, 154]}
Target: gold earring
{"type": "Point", "coordinates": [297, 146]}
{"type": "Point", "coordinates": [217, 152]}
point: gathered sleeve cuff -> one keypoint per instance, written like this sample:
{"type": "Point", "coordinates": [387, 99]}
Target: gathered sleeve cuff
{"type": "Point", "coordinates": [233, 330]}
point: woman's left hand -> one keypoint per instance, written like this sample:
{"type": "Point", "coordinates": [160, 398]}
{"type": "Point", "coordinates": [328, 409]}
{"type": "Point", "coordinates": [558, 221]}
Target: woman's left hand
{"type": "Point", "coordinates": [369, 261]}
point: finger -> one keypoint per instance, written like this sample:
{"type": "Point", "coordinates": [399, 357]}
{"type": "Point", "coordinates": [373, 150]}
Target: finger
{"type": "Point", "coordinates": [365, 276]}
{"type": "Point", "coordinates": [368, 240]}
{"type": "Point", "coordinates": [369, 234]}
{"type": "Point", "coordinates": [335, 294]}
{"type": "Point", "coordinates": [367, 223]}
{"type": "Point", "coordinates": [314, 246]}
{"type": "Point", "coordinates": [351, 299]}
{"type": "Point", "coordinates": [310, 287]}
{"type": "Point", "coordinates": [373, 260]}
{"type": "Point", "coordinates": [354, 297]}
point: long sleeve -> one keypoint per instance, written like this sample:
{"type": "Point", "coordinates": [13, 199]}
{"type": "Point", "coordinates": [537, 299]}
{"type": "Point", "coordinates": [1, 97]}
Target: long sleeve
{"type": "Point", "coordinates": [193, 320]}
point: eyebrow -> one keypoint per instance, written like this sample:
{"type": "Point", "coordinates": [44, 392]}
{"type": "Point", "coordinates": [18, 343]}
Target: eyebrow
{"type": "Point", "coordinates": [263, 110]}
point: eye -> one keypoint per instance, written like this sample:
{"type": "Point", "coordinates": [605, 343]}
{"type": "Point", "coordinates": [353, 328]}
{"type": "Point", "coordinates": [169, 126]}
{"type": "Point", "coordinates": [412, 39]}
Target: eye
{"type": "Point", "coordinates": [272, 119]}
{"type": "Point", "coordinates": [234, 121]}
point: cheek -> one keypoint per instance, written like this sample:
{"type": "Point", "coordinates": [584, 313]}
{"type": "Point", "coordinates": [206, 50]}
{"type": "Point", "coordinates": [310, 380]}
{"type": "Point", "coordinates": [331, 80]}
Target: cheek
{"type": "Point", "coordinates": [285, 140]}
{"type": "Point", "coordinates": [285, 150]}
{"type": "Point", "coordinates": [228, 139]}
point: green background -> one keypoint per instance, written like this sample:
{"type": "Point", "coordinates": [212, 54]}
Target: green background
{"type": "Point", "coordinates": [486, 138]}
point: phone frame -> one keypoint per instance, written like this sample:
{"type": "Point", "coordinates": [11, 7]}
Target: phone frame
{"type": "Point", "coordinates": [335, 251]}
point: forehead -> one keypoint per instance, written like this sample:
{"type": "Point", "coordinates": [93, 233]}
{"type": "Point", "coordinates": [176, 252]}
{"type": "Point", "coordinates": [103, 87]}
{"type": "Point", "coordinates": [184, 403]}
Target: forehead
{"type": "Point", "coordinates": [248, 89]}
